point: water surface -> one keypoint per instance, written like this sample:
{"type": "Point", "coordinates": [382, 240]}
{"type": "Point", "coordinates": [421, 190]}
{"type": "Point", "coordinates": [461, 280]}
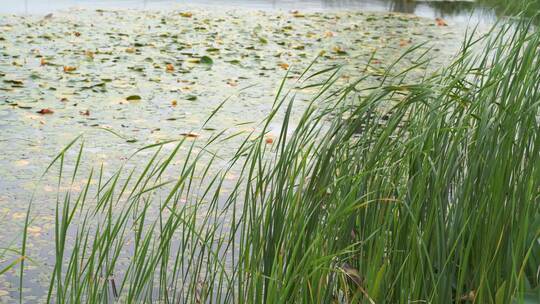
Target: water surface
{"type": "Point", "coordinates": [463, 11]}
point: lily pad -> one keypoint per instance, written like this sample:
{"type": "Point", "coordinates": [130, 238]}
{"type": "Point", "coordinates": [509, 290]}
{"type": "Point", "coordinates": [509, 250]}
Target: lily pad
{"type": "Point", "coordinates": [133, 98]}
{"type": "Point", "coordinates": [206, 60]}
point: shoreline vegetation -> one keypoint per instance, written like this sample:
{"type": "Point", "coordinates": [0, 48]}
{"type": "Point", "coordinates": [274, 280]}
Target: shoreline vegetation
{"type": "Point", "coordinates": [407, 191]}
{"type": "Point", "coordinates": [434, 200]}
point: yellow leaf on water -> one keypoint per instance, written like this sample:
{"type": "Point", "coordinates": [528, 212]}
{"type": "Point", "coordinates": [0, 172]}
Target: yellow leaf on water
{"type": "Point", "coordinates": [328, 34]}
{"type": "Point", "coordinates": [34, 229]}
{"type": "Point", "coordinates": [68, 68]}
{"type": "Point", "coordinates": [404, 42]}
{"type": "Point", "coordinates": [22, 163]}
{"type": "Point", "coordinates": [18, 215]}
{"type": "Point", "coordinates": [284, 65]}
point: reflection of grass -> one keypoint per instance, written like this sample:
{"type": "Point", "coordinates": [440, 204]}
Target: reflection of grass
{"type": "Point", "coordinates": [435, 200]}
{"type": "Point", "coordinates": [530, 8]}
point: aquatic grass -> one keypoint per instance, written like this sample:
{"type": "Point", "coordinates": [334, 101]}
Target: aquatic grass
{"type": "Point", "coordinates": [414, 190]}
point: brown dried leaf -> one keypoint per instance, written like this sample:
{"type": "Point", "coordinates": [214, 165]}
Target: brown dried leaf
{"type": "Point", "coordinates": [440, 22]}
{"type": "Point", "coordinates": [68, 68]}
{"type": "Point", "coordinates": [45, 111]}
{"type": "Point", "coordinates": [353, 274]}
{"type": "Point", "coordinates": [190, 135]}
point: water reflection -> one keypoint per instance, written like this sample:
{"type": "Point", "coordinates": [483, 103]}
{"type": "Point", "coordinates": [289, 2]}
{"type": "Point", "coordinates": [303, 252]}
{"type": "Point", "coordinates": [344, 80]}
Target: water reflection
{"type": "Point", "coordinates": [403, 6]}
{"type": "Point", "coordinates": [452, 10]}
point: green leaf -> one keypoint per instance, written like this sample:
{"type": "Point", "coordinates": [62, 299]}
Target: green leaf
{"type": "Point", "coordinates": [376, 290]}
{"type": "Point", "coordinates": [207, 60]}
{"type": "Point", "coordinates": [10, 266]}
{"type": "Point", "coordinates": [501, 292]}
{"type": "Point", "coordinates": [133, 98]}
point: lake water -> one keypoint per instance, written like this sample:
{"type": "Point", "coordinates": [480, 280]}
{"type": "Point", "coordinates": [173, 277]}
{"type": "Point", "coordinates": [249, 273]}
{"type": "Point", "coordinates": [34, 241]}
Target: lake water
{"type": "Point", "coordinates": [115, 56]}
{"type": "Point", "coordinates": [457, 11]}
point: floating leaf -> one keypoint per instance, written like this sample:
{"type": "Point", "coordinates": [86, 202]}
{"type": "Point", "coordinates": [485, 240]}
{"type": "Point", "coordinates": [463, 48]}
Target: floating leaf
{"type": "Point", "coordinates": [34, 229]}
{"type": "Point", "coordinates": [440, 22]}
{"type": "Point", "coordinates": [297, 14]}
{"type": "Point", "coordinates": [206, 60]}
{"type": "Point", "coordinates": [339, 50]}
{"type": "Point", "coordinates": [190, 135]}
{"type": "Point", "coordinates": [186, 14]}
{"type": "Point", "coordinates": [69, 68]}
{"type": "Point", "coordinates": [45, 111]}
{"type": "Point", "coordinates": [22, 163]}
{"type": "Point", "coordinates": [284, 65]}
{"type": "Point", "coordinates": [89, 54]}
{"type": "Point", "coordinates": [14, 82]}
{"type": "Point", "coordinates": [234, 61]}
{"type": "Point", "coordinates": [133, 98]}
{"type": "Point", "coordinates": [404, 42]}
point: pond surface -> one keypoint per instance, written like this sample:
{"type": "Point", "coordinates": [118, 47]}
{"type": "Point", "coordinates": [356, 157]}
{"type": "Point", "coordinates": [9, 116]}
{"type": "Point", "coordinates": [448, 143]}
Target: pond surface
{"type": "Point", "coordinates": [462, 11]}
{"type": "Point", "coordinates": [153, 75]}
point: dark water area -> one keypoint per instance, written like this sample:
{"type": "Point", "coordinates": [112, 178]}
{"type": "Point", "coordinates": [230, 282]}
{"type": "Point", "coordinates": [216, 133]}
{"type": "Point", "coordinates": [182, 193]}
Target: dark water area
{"type": "Point", "coordinates": [457, 11]}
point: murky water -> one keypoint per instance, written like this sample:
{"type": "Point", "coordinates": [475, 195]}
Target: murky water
{"type": "Point", "coordinates": [462, 11]}
{"type": "Point", "coordinates": [141, 74]}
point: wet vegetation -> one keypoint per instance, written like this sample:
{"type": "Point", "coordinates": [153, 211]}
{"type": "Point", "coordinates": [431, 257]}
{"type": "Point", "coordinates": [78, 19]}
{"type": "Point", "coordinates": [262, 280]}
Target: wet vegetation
{"type": "Point", "coordinates": [402, 184]}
